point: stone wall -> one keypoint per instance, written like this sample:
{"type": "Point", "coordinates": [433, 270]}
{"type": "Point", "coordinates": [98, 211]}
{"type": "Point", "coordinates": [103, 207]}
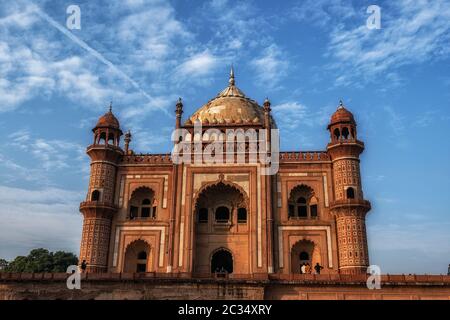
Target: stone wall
{"type": "Point", "coordinates": [154, 286]}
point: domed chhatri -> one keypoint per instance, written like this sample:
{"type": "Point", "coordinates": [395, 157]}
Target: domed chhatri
{"type": "Point", "coordinates": [108, 120]}
{"type": "Point", "coordinates": [342, 115]}
{"type": "Point", "coordinates": [230, 106]}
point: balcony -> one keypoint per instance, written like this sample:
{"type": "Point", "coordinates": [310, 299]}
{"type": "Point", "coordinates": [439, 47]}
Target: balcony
{"type": "Point", "coordinates": [350, 203]}
{"type": "Point", "coordinates": [97, 205]}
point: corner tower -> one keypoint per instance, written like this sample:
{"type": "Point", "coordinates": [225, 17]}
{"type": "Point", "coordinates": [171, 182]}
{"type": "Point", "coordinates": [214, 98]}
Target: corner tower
{"type": "Point", "coordinates": [349, 206]}
{"type": "Point", "coordinates": [99, 207]}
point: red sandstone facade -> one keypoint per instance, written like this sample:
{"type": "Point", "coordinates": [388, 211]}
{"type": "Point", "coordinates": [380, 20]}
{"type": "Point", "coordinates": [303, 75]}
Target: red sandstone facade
{"type": "Point", "coordinates": [145, 213]}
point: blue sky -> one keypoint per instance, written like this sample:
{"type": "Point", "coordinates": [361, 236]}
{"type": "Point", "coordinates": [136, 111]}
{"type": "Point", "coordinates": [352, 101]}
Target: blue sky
{"type": "Point", "coordinates": [303, 55]}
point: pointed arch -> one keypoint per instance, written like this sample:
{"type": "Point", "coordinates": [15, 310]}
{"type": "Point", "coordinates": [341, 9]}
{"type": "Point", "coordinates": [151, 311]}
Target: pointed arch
{"type": "Point", "coordinates": [221, 260]}
{"type": "Point", "coordinates": [302, 202]}
{"type": "Point", "coordinates": [220, 183]}
{"type": "Point", "coordinates": [142, 203]}
{"type": "Point", "coordinates": [137, 256]}
{"type": "Point", "coordinates": [304, 251]}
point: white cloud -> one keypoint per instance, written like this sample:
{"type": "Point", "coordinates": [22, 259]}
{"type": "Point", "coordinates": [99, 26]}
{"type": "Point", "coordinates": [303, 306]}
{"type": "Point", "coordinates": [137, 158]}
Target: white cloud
{"type": "Point", "coordinates": [322, 13]}
{"type": "Point", "coordinates": [271, 66]}
{"type": "Point", "coordinates": [412, 32]}
{"type": "Point", "coordinates": [198, 65]}
{"type": "Point", "coordinates": [396, 121]}
{"type": "Point", "coordinates": [290, 114]}
{"type": "Point", "coordinates": [52, 154]}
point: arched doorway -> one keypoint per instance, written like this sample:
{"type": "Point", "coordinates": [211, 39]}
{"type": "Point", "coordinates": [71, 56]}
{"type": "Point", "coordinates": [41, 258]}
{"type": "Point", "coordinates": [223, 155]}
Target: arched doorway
{"type": "Point", "coordinates": [221, 213]}
{"type": "Point", "coordinates": [222, 261]}
{"type": "Point", "coordinates": [137, 257]}
{"type": "Point", "coordinates": [304, 251]}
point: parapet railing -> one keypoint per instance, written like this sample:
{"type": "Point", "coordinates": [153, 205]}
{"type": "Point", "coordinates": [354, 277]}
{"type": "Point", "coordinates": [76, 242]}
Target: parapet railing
{"type": "Point", "coordinates": [285, 156]}
{"type": "Point", "coordinates": [164, 158]}
{"type": "Point", "coordinates": [264, 277]}
{"type": "Point", "coordinates": [299, 156]}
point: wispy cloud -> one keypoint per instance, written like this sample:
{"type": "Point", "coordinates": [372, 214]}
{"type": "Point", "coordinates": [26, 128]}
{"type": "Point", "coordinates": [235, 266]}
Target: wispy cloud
{"type": "Point", "coordinates": [412, 32]}
{"type": "Point", "coordinates": [396, 121]}
{"type": "Point", "coordinates": [52, 154]}
{"type": "Point", "coordinates": [322, 13]}
{"type": "Point", "coordinates": [200, 64]}
{"type": "Point", "coordinates": [291, 115]}
{"type": "Point", "coordinates": [271, 66]}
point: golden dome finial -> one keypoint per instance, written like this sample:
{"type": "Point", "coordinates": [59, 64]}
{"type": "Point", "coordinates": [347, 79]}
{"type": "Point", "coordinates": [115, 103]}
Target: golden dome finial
{"type": "Point", "coordinates": [231, 81]}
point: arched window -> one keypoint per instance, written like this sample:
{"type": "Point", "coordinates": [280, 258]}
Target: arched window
{"type": "Point", "coordinates": [313, 203]}
{"type": "Point", "coordinates": [203, 215]}
{"type": "Point", "coordinates": [222, 214]}
{"type": "Point", "coordinates": [345, 133]}
{"type": "Point", "coordinates": [350, 193]}
{"type": "Point", "coordinates": [301, 208]}
{"type": "Point", "coordinates": [222, 262]}
{"type": "Point", "coordinates": [304, 256]}
{"type": "Point", "coordinates": [141, 262]}
{"type": "Point", "coordinates": [142, 203]}
{"type": "Point", "coordinates": [337, 134]}
{"type": "Point", "coordinates": [111, 139]}
{"type": "Point", "coordinates": [102, 138]}
{"type": "Point", "coordinates": [142, 255]}
{"type": "Point", "coordinates": [134, 212]}
{"type": "Point", "coordinates": [242, 215]}
{"type": "Point", "coordinates": [302, 203]}
{"type": "Point", "coordinates": [95, 195]}
{"type": "Point", "coordinates": [145, 209]}
{"type": "Point", "coordinates": [291, 211]}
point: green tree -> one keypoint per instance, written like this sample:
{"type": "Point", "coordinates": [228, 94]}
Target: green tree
{"type": "Point", "coordinates": [41, 260]}
{"type": "Point", "coordinates": [62, 259]}
{"type": "Point", "coordinates": [3, 264]}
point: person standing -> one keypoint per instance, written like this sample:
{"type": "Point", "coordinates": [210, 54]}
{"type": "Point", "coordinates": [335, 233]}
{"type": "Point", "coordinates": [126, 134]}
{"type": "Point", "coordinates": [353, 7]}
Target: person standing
{"type": "Point", "coordinates": [308, 268]}
{"type": "Point", "coordinates": [303, 268]}
{"type": "Point", "coordinates": [83, 266]}
{"type": "Point", "coordinates": [318, 267]}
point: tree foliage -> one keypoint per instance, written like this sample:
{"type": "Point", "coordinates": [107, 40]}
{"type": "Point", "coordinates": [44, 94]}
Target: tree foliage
{"type": "Point", "coordinates": [3, 264]}
{"type": "Point", "coordinates": [41, 260]}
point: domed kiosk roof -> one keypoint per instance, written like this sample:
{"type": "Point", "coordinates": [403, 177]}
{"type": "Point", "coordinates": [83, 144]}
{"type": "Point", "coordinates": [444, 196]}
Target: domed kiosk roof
{"type": "Point", "coordinates": [108, 120]}
{"type": "Point", "coordinates": [230, 106]}
{"type": "Point", "coordinates": [342, 115]}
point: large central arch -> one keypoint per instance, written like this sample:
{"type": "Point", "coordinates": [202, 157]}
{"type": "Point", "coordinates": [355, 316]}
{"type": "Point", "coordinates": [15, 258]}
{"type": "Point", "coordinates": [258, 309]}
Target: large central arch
{"type": "Point", "coordinates": [221, 216]}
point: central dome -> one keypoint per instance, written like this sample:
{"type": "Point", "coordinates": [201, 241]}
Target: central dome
{"type": "Point", "coordinates": [230, 106]}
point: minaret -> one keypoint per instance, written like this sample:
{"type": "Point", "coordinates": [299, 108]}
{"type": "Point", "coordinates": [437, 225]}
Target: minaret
{"type": "Point", "coordinates": [268, 196]}
{"type": "Point", "coordinates": [349, 206]}
{"type": "Point", "coordinates": [99, 207]}
{"type": "Point", "coordinates": [127, 141]}
{"type": "Point", "coordinates": [178, 113]}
